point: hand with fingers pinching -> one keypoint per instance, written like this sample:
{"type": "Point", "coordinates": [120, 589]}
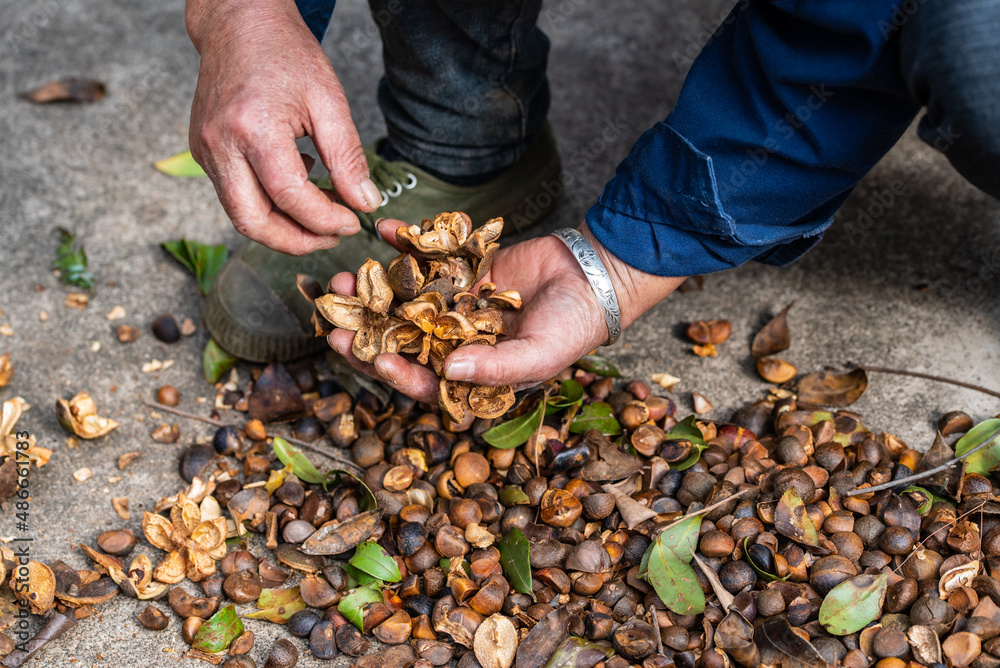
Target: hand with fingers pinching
{"type": "Point", "coordinates": [560, 320]}
{"type": "Point", "coordinates": [264, 82]}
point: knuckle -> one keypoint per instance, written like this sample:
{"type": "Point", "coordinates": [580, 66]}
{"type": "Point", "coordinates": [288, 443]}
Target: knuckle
{"type": "Point", "coordinates": [348, 158]}
{"type": "Point", "coordinates": [287, 195]}
{"type": "Point", "coordinates": [242, 122]}
{"type": "Point", "coordinates": [206, 135]}
{"type": "Point", "coordinates": [354, 159]}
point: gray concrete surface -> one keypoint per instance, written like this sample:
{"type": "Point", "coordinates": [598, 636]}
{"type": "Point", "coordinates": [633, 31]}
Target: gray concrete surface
{"type": "Point", "coordinates": [89, 168]}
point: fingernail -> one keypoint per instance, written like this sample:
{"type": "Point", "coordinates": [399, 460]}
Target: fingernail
{"type": "Point", "coordinates": [348, 230]}
{"type": "Point", "coordinates": [460, 370]}
{"type": "Point", "coordinates": [371, 194]}
{"type": "Point", "coordinates": [383, 370]}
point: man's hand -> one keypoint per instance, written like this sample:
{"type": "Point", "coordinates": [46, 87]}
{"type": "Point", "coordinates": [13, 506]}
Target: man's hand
{"type": "Point", "coordinates": [264, 81]}
{"type": "Point", "coordinates": [559, 323]}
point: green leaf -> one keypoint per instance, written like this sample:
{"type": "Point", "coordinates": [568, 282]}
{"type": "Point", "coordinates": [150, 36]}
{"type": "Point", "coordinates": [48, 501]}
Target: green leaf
{"type": "Point", "coordinates": [691, 459]}
{"type": "Point", "coordinates": [986, 459]}
{"type": "Point", "coordinates": [178, 249]}
{"type": "Point", "coordinates": [445, 565]}
{"type": "Point", "coordinates": [202, 260]}
{"type": "Point", "coordinates": [182, 165]}
{"type": "Point", "coordinates": [373, 559]}
{"type": "Point", "coordinates": [570, 394]}
{"type": "Point", "coordinates": [791, 519]}
{"type": "Point", "coordinates": [270, 598]}
{"type": "Point", "coordinates": [215, 362]}
{"type": "Point", "coordinates": [682, 539]}
{"type": "Point", "coordinates": [512, 495]}
{"type": "Point", "coordinates": [515, 432]}
{"type": "Point", "coordinates": [599, 416]}
{"type": "Point", "coordinates": [221, 629]}
{"type": "Point", "coordinates": [306, 471]}
{"type": "Point", "coordinates": [675, 582]}
{"type": "Point", "coordinates": [576, 651]}
{"type": "Point", "coordinates": [853, 604]}
{"type": "Point", "coordinates": [358, 578]}
{"type": "Point", "coordinates": [514, 557]}
{"type": "Point", "coordinates": [71, 261]}
{"type": "Point", "coordinates": [644, 564]}
{"type": "Point", "coordinates": [924, 496]}
{"type": "Point", "coordinates": [368, 502]}
{"type": "Point", "coordinates": [352, 606]}
{"type": "Point", "coordinates": [686, 428]}
{"type": "Point", "coordinates": [278, 605]}
{"type": "Point", "coordinates": [598, 365]}
{"type": "Point", "coordinates": [289, 455]}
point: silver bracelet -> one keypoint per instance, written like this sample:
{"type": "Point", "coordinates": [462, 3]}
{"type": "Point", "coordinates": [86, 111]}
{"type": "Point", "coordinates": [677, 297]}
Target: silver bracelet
{"type": "Point", "coordinates": [597, 274]}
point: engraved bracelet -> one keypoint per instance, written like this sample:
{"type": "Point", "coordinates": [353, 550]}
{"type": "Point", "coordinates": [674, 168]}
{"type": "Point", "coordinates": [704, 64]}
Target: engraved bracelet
{"type": "Point", "coordinates": [598, 276]}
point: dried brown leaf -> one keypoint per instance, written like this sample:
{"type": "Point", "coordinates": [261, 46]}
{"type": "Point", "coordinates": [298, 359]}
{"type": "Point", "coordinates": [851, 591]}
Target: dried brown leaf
{"type": "Point", "coordinates": [833, 388]}
{"type": "Point", "coordinates": [275, 396]}
{"type": "Point", "coordinates": [66, 90]}
{"type": "Point", "coordinates": [774, 337]}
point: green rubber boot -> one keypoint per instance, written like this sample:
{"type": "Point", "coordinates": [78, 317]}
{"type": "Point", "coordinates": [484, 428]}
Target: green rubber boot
{"type": "Point", "coordinates": [254, 309]}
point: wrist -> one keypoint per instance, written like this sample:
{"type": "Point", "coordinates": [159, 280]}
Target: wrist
{"type": "Point", "coordinates": [214, 21]}
{"type": "Point", "coordinates": [637, 291]}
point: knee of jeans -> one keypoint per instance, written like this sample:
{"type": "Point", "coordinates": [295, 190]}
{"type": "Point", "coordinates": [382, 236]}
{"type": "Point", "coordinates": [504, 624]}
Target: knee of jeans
{"type": "Point", "coordinates": [949, 59]}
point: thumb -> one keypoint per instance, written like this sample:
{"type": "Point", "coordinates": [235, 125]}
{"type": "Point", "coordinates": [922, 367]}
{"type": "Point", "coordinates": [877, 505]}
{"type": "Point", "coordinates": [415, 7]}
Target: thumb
{"type": "Point", "coordinates": [340, 149]}
{"type": "Point", "coordinates": [514, 362]}
{"type": "Point", "coordinates": [387, 229]}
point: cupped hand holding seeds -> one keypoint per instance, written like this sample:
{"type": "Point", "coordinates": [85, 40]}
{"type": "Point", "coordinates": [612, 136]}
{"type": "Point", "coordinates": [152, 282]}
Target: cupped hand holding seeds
{"type": "Point", "coordinates": [559, 320]}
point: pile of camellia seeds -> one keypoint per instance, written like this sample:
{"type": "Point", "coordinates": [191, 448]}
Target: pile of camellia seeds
{"type": "Point", "coordinates": [589, 527]}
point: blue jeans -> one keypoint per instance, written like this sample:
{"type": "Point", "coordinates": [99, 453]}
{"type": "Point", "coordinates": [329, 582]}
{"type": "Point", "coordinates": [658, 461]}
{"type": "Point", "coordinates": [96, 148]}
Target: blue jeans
{"type": "Point", "coordinates": [465, 90]}
{"type": "Point", "coordinates": [950, 59]}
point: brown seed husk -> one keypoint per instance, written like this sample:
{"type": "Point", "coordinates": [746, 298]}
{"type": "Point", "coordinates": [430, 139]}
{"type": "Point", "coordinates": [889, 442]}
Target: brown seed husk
{"type": "Point", "coordinates": [495, 642]}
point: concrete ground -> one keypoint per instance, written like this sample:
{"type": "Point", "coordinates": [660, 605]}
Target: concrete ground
{"type": "Point", "coordinates": [88, 168]}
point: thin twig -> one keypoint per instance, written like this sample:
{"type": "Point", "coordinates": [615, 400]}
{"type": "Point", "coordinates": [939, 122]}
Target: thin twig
{"type": "Point", "coordinates": [926, 474]}
{"type": "Point", "coordinates": [190, 416]}
{"type": "Point", "coordinates": [721, 593]}
{"type": "Point", "coordinates": [294, 441]}
{"type": "Point", "coordinates": [656, 627]}
{"type": "Point", "coordinates": [708, 509]}
{"type": "Point", "coordinates": [538, 432]}
{"type": "Point", "coordinates": [948, 525]}
{"type": "Point", "coordinates": [927, 376]}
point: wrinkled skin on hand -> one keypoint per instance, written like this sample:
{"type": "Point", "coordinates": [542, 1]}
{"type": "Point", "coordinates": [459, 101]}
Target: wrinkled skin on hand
{"type": "Point", "coordinates": [559, 322]}
{"type": "Point", "coordinates": [264, 81]}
